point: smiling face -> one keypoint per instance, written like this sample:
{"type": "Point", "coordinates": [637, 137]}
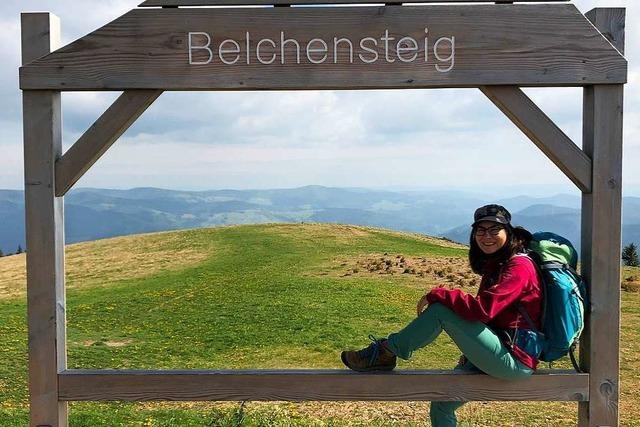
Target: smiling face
{"type": "Point", "coordinates": [490, 236]}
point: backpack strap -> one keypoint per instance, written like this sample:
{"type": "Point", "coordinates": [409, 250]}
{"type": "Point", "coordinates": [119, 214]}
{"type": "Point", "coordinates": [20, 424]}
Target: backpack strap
{"type": "Point", "coordinates": [521, 309]}
{"type": "Point", "coordinates": [526, 316]}
{"type": "Point", "coordinates": [575, 364]}
{"type": "Point", "coordinates": [551, 265]}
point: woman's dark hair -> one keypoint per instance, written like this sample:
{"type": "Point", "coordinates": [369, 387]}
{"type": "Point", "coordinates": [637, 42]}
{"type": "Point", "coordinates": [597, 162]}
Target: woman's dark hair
{"type": "Point", "coordinates": [518, 239]}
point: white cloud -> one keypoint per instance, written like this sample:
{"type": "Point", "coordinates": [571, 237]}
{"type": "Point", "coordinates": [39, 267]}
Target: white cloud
{"type": "Point", "coordinates": [270, 139]}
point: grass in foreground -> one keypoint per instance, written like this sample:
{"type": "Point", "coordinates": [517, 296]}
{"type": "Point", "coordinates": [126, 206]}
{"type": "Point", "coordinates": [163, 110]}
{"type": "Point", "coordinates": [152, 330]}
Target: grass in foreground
{"type": "Point", "coordinates": [275, 296]}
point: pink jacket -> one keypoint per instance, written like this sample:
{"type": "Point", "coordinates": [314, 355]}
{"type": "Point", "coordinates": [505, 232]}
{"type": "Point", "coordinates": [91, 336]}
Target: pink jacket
{"type": "Point", "coordinates": [494, 305]}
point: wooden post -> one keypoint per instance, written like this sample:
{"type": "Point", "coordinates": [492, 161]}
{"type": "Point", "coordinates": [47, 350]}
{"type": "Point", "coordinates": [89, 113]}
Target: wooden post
{"type": "Point", "coordinates": [45, 231]}
{"type": "Point", "coordinates": [601, 242]}
{"type": "Point", "coordinates": [601, 238]}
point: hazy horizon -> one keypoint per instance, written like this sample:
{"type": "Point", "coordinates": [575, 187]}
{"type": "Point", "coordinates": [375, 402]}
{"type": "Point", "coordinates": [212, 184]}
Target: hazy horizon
{"type": "Point", "coordinates": [531, 190]}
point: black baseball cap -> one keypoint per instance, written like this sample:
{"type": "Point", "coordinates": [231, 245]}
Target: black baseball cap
{"type": "Point", "coordinates": [493, 213]}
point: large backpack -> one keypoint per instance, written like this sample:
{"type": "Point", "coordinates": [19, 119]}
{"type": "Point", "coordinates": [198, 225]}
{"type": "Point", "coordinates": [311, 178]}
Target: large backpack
{"type": "Point", "coordinates": [564, 295]}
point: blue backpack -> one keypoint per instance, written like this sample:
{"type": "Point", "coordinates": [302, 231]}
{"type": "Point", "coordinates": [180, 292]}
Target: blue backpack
{"type": "Point", "coordinates": [564, 295]}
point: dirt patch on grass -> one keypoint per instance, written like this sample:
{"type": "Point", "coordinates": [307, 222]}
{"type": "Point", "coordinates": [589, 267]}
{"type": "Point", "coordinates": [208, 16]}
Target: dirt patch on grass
{"type": "Point", "coordinates": [630, 279]}
{"type": "Point", "coordinates": [631, 284]}
{"type": "Point", "coordinates": [107, 343]}
{"type": "Point", "coordinates": [106, 261]}
{"type": "Point", "coordinates": [451, 271]}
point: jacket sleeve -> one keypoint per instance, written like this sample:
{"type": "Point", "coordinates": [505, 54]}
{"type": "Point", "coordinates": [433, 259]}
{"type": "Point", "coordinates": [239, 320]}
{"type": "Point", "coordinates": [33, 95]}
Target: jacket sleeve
{"type": "Point", "coordinates": [490, 301]}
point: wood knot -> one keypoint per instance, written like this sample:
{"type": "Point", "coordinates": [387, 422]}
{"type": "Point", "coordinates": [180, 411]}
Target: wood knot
{"type": "Point", "coordinates": [578, 397]}
{"type": "Point", "coordinates": [606, 388]}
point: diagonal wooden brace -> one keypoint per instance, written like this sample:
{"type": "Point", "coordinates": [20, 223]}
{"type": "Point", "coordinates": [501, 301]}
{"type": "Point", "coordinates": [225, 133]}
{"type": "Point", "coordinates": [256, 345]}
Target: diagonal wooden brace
{"type": "Point", "coordinates": [101, 135]}
{"type": "Point", "coordinates": [544, 133]}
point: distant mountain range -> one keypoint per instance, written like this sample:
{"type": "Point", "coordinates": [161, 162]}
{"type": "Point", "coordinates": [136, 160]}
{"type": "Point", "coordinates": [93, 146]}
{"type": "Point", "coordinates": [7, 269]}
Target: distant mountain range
{"type": "Point", "coordinates": [98, 213]}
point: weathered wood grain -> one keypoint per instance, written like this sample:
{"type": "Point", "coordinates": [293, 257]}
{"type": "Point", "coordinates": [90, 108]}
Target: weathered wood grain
{"type": "Point", "coordinates": [100, 136]}
{"type": "Point", "coordinates": [601, 237]}
{"type": "Point", "coordinates": [543, 132]}
{"type": "Point", "coordinates": [297, 385]}
{"type": "Point", "coordinates": [523, 45]}
{"type": "Point", "coordinates": [601, 250]}
{"type": "Point", "coordinates": [44, 219]}
{"type": "Point", "coordinates": [611, 22]}
{"type": "Point", "coordinates": [149, 3]}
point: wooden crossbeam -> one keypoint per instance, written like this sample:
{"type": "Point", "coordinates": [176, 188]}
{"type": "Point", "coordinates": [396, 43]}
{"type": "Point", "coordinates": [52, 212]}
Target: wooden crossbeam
{"type": "Point", "coordinates": [276, 48]}
{"type": "Point", "coordinates": [174, 3]}
{"type": "Point", "coordinates": [100, 136]}
{"type": "Point", "coordinates": [544, 133]}
{"type": "Point", "coordinates": [298, 385]}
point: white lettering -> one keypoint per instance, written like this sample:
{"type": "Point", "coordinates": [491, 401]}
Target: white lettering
{"type": "Point", "coordinates": [273, 58]}
{"type": "Point", "coordinates": [283, 42]}
{"type": "Point", "coordinates": [426, 45]}
{"type": "Point", "coordinates": [451, 57]}
{"type": "Point", "coordinates": [363, 47]}
{"type": "Point", "coordinates": [335, 49]}
{"type": "Point", "coordinates": [205, 47]}
{"type": "Point", "coordinates": [248, 49]}
{"type": "Point", "coordinates": [408, 47]}
{"type": "Point", "coordinates": [311, 50]}
{"type": "Point", "coordinates": [202, 49]}
{"type": "Point", "coordinates": [235, 49]}
{"type": "Point", "coordinates": [386, 40]}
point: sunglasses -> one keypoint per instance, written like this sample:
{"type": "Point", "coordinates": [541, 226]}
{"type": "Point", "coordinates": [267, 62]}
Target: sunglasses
{"type": "Point", "coordinates": [493, 230]}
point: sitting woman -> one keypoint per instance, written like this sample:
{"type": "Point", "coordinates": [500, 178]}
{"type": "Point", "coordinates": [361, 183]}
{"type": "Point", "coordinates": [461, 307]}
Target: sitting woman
{"type": "Point", "coordinates": [488, 329]}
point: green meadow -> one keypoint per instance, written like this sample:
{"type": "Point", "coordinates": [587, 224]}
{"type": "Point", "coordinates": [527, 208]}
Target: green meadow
{"type": "Point", "coordinates": [261, 296]}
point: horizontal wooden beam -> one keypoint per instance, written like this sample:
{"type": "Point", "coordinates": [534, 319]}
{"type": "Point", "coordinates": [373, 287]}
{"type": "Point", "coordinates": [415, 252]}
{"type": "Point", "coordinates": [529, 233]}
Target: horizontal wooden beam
{"type": "Point", "coordinates": [453, 46]}
{"type": "Point", "coordinates": [100, 136]}
{"type": "Point", "coordinates": [544, 133]}
{"type": "Point", "coordinates": [149, 3]}
{"type": "Point", "coordinates": [298, 385]}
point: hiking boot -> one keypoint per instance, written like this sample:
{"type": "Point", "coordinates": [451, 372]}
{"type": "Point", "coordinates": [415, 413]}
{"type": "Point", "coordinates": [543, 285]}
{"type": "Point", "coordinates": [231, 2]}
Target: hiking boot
{"type": "Point", "coordinates": [375, 357]}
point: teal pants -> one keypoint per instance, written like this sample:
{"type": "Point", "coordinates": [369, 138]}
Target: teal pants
{"type": "Point", "coordinates": [480, 345]}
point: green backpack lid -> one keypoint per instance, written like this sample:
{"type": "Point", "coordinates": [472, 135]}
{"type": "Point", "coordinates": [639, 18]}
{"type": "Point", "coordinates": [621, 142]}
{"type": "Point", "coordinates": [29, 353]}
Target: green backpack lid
{"type": "Point", "coordinates": [553, 248]}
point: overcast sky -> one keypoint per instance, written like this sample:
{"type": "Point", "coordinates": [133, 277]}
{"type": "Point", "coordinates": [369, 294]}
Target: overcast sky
{"type": "Point", "coordinates": [453, 138]}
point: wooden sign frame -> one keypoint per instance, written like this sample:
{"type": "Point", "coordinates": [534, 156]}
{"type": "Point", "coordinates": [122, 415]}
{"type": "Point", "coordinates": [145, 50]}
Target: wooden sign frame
{"type": "Point", "coordinates": [143, 53]}
{"type": "Point", "coordinates": [322, 47]}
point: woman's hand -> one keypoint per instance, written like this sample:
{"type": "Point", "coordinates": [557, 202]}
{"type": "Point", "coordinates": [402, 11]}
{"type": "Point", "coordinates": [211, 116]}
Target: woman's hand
{"type": "Point", "coordinates": [422, 304]}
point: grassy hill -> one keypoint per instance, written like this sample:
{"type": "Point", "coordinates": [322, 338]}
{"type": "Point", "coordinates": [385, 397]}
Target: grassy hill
{"type": "Point", "coordinates": [259, 296]}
